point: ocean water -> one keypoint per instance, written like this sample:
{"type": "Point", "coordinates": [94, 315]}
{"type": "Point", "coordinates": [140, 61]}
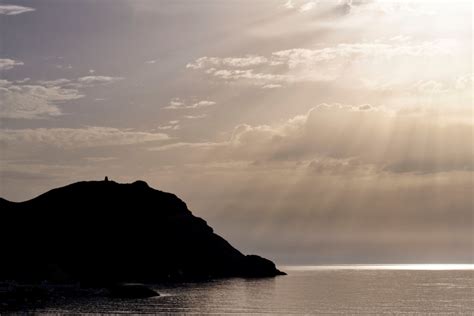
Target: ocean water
{"type": "Point", "coordinates": [307, 290]}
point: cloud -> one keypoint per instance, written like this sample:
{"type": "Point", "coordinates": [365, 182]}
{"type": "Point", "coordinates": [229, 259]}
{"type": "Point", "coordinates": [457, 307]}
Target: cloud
{"type": "Point", "coordinates": [33, 101]}
{"type": "Point", "coordinates": [178, 104]}
{"type": "Point", "coordinates": [64, 66]}
{"type": "Point", "coordinates": [361, 7]}
{"type": "Point", "coordinates": [6, 63]}
{"type": "Point", "coordinates": [76, 137]}
{"type": "Point", "coordinates": [97, 80]}
{"type": "Point", "coordinates": [289, 4]}
{"type": "Point", "coordinates": [429, 87]}
{"type": "Point", "coordinates": [359, 51]}
{"type": "Point", "coordinates": [201, 104]}
{"type": "Point", "coordinates": [347, 132]}
{"type": "Point", "coordinates": [319, 64]}
{"type": "Point", "coordinates": [378, 140]}
{"type": "Point", "coordinates": [24, 100]}
{"type": "Point", "coordinates": [338, 166]}
{"type": "Point", "coordinates": [449, 98]}
{"type": "Point", "coordinates": [465, 82]}
{"type": "Point", "coordinates": [303, 6]}
{"type": "Point", "coordinates": [388, 8]}
{"type": "Point", "coordinates": [250, 76]}
{"type": "Point", "coordinates": [175, 104]}
{"type": "Point", "coordinates": [169, 127]}
{"type": "Point", "coordinates": [307, 6]}
{"type": "Point", "coordinates": [9, 9]}
{"type": "Point", "coordinates": [365, 107]}
{"type": "Point", "coordinates": [24, 80]}
{"type": "Point", "coordinates": [172, 125]}
{"type": "Point", "coordinates": [188, 145]}
{"type": "Point", "coordinates": [235, 62]}
{"type": "Point", "coordinates": [272, 86]}
{"type": "Point", "coordinates": [195, 117]}
{"type": "Point", "coordinates": [52, 83]}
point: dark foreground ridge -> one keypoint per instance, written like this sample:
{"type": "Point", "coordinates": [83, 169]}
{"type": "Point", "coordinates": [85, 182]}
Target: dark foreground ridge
{"type": "Point", "coordinates": [100, 233]}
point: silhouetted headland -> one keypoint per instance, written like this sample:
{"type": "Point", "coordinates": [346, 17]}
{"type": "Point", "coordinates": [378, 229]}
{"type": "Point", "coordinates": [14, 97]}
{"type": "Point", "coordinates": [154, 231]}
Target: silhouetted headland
{"type": "Point", "coordinates": [100, 233]}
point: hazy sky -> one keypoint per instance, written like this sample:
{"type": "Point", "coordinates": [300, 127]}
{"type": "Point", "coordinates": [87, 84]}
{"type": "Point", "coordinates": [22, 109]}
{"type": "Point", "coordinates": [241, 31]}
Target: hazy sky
{"type": "Point", "coordinates": [305, 131]}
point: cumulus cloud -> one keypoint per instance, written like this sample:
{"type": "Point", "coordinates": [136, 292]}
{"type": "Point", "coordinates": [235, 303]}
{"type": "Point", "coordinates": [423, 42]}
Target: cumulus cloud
{"type": "Point", "coordinates": [9, 9]}
{"type": "Point", "coordinates": [6, 63]}
{"type": "Point", "coordinates": [76, 137]}
{"type": "Point", "coordinates": [376, 139]}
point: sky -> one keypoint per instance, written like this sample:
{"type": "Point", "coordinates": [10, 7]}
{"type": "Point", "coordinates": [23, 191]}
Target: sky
{"type": "Point", "coordinates": [309, 132]}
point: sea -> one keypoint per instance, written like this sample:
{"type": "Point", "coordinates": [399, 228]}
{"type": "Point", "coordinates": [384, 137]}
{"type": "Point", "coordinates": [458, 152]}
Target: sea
{"type": "Point", "coordinates": [306, 290]}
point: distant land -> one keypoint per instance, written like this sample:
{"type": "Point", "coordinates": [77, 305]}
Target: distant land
{"type": "Point", "coordinates": [99, 233]}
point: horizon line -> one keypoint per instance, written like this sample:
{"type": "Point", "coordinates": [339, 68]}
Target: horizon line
{"type": "Point", "coordinates": [394, 266]}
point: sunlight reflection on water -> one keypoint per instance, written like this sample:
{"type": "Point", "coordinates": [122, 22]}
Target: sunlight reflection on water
{"type": "Point", "coordinates": [430, 266]}
{"type": "Point", "coordinates": [316, 290]}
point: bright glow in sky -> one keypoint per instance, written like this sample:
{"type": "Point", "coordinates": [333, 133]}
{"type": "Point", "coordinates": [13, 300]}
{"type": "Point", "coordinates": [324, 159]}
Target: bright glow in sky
{"type": "Point", "coordinates": [306, 131]}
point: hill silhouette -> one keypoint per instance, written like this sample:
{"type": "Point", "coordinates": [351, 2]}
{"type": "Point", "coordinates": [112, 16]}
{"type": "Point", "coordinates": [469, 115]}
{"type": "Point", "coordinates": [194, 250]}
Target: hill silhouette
{"type": "Point", "coordinates": [104, 232]}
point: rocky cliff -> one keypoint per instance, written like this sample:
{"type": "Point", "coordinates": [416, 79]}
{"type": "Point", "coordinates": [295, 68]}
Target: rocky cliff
{"type": "Point", "coordinates": [102, 232]}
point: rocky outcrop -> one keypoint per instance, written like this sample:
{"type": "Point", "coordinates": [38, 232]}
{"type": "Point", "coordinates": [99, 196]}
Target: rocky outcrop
{"type": "Point", "coordinates": [104, 232]}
